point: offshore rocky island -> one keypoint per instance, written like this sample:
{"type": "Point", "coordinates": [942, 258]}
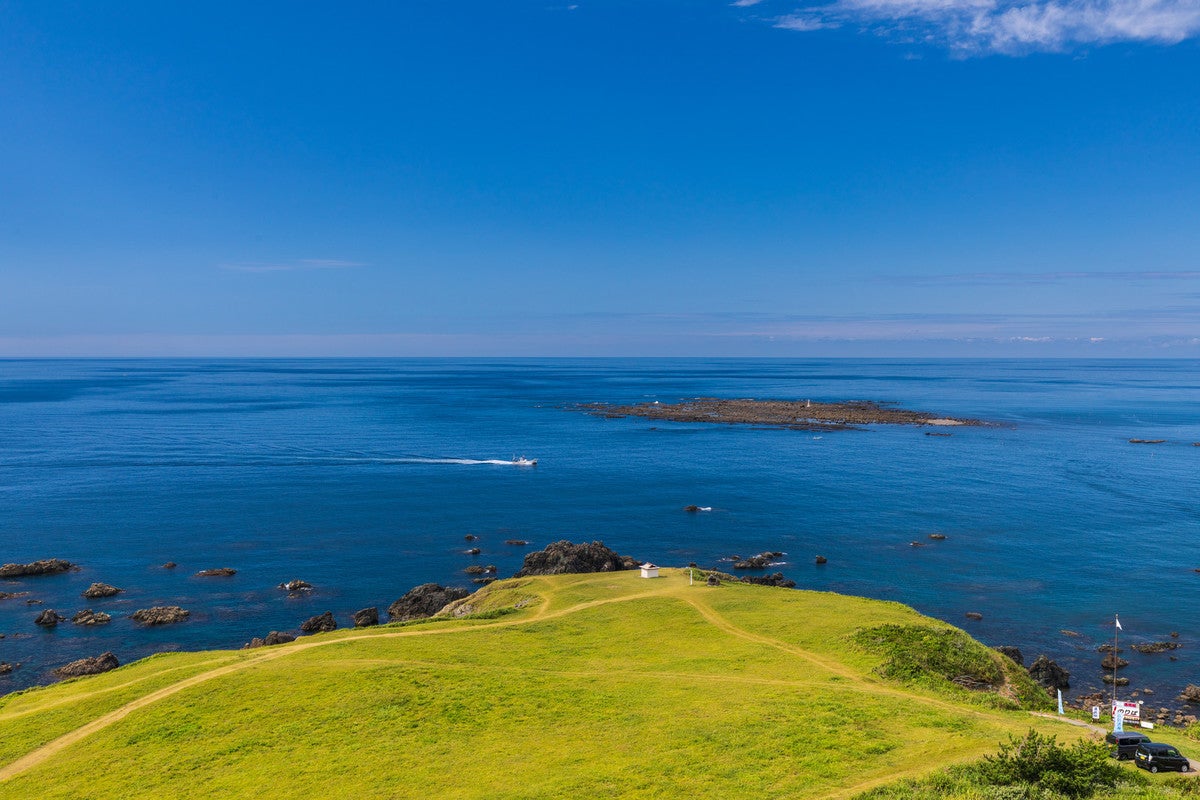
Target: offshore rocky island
{"type": "Point", "coordinates": [802, 415]}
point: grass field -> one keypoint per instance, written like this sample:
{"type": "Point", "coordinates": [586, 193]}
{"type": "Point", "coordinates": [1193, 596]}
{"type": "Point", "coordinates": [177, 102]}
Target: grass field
{"type": "Point", "coordinates": [601, 685]}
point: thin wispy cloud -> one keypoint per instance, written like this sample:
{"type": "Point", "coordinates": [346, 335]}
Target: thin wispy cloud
{"type": "Point", "coordinates": [1014, 27]}
{"type": "Point", "coordinates": [1036, 278]}
{"type": "Point", "coordinates": [304, 264]}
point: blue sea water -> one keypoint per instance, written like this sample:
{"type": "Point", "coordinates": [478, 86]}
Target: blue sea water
{"type": "Point", "coordinates": [363, 477]}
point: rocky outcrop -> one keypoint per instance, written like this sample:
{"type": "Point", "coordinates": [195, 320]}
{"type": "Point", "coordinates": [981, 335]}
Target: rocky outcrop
{"type": "Point", "coordinates": [1191, 694]}
{"type": "Point", "coordinates": [89, 617]}
{"type": "Point", "coordinates": [975, 615]}
{"type": "Point", "coordinates": [1156, 647]}
{"type": "Point", "coordinates": [322, 623]}
{"type": "Point", "coordinates": [821, 560]}
{"type": "Point", "coordinates": [1012, 652]}
{"type": "Point", "coordinates": [712, 580]}
{"type": "Point", "coordinates": [219, 572]}
{"type": "Point", "coordinates": [49, 618]}
{"type": "Point", "coordinates": [776, 579]}
{"type": "Point", "coordinates": [1049, 674]}
{"type": "Point", "coordinates": [366, 617]}
{"type": "Point", "coordinates": [88, 666]}
{"type": "Point", "coordinates": [48, 566]}
{"type": "Point", "coordinates": [424, 601]}
{"type": "Point", "coordinates": [1113, 661]}
{"type": "Point", "coordinates": [565, 557]}
{"type": "Point", "coordinates": [160, 615]}
{"type": "Point", "coordinates": [6, 668]}
{"type": "Point", "coordinates": [1120, 680]}
{"type": "Point", "coordinates": [98, 590]}
{"type": "Point", "coordinates": [760, 561]}
{"type": "Point", "coordinates": [272, 638]}
{"type": "Point", "coordinates": [296, 586]}
{"type": "Point", "coordinates": [10, 595]}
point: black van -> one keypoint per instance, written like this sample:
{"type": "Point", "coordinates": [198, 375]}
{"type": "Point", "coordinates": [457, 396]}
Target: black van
{"type": "Point", "coordinates": [1125, 743]}
{"type": "Point", "coordinates": [1155, 756]}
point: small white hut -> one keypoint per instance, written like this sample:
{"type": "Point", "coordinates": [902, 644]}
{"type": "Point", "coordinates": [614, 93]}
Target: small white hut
{"type": "Point", "coordinates": [649, 570]}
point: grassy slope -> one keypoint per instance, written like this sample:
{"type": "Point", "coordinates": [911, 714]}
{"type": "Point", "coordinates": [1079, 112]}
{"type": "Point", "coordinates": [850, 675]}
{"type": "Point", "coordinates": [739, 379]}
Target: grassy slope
{"type": "Point", "coordinates": [599, 685]}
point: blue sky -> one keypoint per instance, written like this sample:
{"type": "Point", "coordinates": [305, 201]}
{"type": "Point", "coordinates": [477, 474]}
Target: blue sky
{"type": "Point", "coordinates": [858, 177]}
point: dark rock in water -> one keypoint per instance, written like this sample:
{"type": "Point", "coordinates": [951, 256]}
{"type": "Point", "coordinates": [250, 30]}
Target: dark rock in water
{"type": "Point", "coordinates": [1174, 634]}
{"type": "Point", "coordinates": [1066, 632]}
{"type": "Point", "coordinates": [713, 580]}
{"type": "Point", "coordinates": [1191, 694]}
{"type": "Point", "coordinates": [566, 557]}
{"type": "Point", "coordinates": [474, 569]}
{"type": "Point", "coordinates": [483, 581]}
{"type": "Point", "coordinates": [272, 638]}
{"type": "Point", "coordinates": [470, 537]}
{"type": "Point", "coordinates": [1119, 680]}
{"type": "Point", "coordinates": [1012, 652]}
{"type": "Point", "coordinates": [1109, 648]}
{"type": "Point", "coordinates": [296, 586]}
{"type": "Point", "coordinates": [160, 615]}
{"type": "Point", "coordinates": [89, 617]}
{"type": "Point", "coordinates": [366, 617]}
{"type": "Point", "coordinates": [776, 579]}
{"type": "Point", "coordinates": [88, 666]}
{"type": "Point", "coordinates": [97, 590]}
{"type": "Point", "coordinates": [516, 542]}
{"type": "Point", "coordinates": [49, 618]}
{"type": "Point", "coordinates": [692, 509]}
{"type": "Point", "coordinates": [6, 668]}
{"type": "Point", "coordinates": [48, 566]}
{"type": "Point", "coordinates": [169, 565]}
{"type": "Point", "coordinates": [33, 602]}
{"type": "Point", "coordinates": [490, 568]}
{"type": "Point", "coordinates": [1146, 441]}
{"type": "Point", "coordinates": [975, 615]}
{"type": "Point", "coordinates": [10, 595]}
{"type": "Point", "coordinates": [822, 560]}
{"type": "Point", "coordinates": [1112, 661]}
{"type": "Point", "coordinates": [322, 623]}
{"type": "Point", "coordinates": [1156, 647]}
{"type": "Point", "coordinates": [424, 601]}
{"type": "Point", "coordinates": [1049, 674]}
{"type": "Point", "coordinates": [219, 572]}
{"type": "Point", "coordinates": [937, 537]}
{"type": "Point", "coordinates": [760, 561]}
{"type": "Point", "coordinates": [916, 544]}
{"type": "Point", "coordinates": [474, 551]}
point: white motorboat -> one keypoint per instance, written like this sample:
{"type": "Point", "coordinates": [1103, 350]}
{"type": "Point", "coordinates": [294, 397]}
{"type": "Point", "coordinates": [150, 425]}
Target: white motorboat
{"type": "Point", "coordinates": [524, 462]}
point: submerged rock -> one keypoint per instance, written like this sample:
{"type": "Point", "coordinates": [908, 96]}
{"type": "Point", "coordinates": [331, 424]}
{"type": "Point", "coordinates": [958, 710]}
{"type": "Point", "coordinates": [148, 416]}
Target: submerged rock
{"type": "Point", "coordinates": [516, 542]}
{"type": "Point", "coordinates": [975, 615]}
{"type": "Point", "coordinates": [98, 590]}
{"type": "Point", "coordinates": [47, 566]}
{"type": "Point", "coordinates": [296, 586]}
{"type": "Point", "coordinates": [49, 618]}
{"type": "Point", "coordinates": [160, 615]}
{"type": "Point", "coordinates": [6, 668]}
{"type": "Point", "coordinates": [89, 617]}
{"type": "Point", "coordinates": [88, 666]}
{"type": "Point", "coordinates": [1049, 674]}
{"type": "Point", "coordinates": [822, 560]}
{"type": "Point", "coordinates": [170, 565]}
{"type": "Point", "coordinates": [760, 561]}
{"type": "Point", "coordinates": [424, 601]}
{"type": "Point", "coordinates": [322, 623]}
{"type": "Point", "coordinates": [1156, 647]}
{"type": "Point", "coordinates": [366, 617]}
{"type": "Point", "coordinates": [10, 595]}
{"type": "Point", "coordinates": [564, 557]}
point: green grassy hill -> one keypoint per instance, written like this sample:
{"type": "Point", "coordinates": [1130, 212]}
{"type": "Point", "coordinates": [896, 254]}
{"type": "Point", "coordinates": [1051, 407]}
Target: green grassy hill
{"type": "Point", "coordinates": [601, 685]}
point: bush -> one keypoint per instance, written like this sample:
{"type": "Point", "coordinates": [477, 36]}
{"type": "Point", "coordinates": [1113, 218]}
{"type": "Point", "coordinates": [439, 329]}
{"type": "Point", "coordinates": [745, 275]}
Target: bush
{"type": "Point", "coordinates": [1040, 761]}
{"type": "Point", "coordinates": [918, 652]}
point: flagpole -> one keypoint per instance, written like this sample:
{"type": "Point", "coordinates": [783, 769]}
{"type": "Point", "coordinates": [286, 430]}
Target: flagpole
{"type": "Point", "coordinates": [1116, 627]}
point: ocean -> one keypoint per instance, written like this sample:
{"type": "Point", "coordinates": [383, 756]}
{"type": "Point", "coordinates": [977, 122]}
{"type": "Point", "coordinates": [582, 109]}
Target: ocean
{"type": "Point", "coordinates": [363, 477]}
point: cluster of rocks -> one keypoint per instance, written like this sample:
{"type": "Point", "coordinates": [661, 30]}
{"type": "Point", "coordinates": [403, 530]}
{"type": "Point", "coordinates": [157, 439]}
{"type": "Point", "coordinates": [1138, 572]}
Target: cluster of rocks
{"type": "Point", "coordinates": [424, 601]}
{"type": "Point", "coordinates": [1156, 647]}
{"type": "Point", "coordinates": [775, 579]}
{"type": "Point", "coordinates": [6, 668]}
{"type": "Point", "coordinates": [322, 623]}
{"type": "Point", "coordinates": [89, 617]}
{"type": "Point", "coordinates": [48, 566]}
{"type": "Point", "coordinates": [272, 638]}
{"type": "Point", "coordinates": [760, 561]}
{"type": "Point", "coordinates": [160, 615]}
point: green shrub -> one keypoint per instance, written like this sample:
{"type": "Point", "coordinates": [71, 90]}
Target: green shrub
{"type": "Point", "coordinates": [918, 653]}
{"type": "Point", "coordinates": [1040, 761]}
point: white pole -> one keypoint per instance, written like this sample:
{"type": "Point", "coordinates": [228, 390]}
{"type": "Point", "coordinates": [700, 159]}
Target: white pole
{"type": "Point", "coordinates": [691, 577]}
